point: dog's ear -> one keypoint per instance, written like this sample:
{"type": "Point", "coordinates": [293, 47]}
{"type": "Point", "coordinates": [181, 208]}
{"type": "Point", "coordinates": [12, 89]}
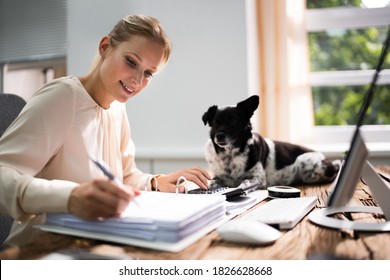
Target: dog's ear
{"type": "Point", "coordinates": [248, 106]}
{"type": "Point", "coordinates": [209, 115]}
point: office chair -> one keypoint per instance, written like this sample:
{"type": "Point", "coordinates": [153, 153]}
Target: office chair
{"type": "Point", "coordinates": [10, 107]}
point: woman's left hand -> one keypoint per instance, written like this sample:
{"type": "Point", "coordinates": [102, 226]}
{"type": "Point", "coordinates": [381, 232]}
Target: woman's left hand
{"type": "Point", "coordinates": [167, 182]}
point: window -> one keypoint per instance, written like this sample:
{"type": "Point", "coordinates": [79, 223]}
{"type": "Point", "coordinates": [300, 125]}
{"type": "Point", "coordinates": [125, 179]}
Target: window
{"type": "Point", "coordinates": [345, 41]}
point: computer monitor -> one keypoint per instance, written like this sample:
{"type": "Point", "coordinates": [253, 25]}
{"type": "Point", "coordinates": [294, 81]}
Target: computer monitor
{"type": "Point", "coordinates": [349, 175]}
{"type": "Point", "coordinates": [355, 167]}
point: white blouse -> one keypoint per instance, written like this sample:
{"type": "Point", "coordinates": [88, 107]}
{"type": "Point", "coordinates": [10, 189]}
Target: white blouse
{"type": "Point", "coordinates": [45, 153]}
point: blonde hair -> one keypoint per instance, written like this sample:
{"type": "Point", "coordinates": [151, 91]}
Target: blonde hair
{"type": "Point", "coordinates": [141, 25]}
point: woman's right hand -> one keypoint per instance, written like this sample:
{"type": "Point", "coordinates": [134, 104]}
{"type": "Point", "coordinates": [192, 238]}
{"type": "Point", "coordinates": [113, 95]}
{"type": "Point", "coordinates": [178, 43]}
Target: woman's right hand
{"type": "Point", "coordinates": [100, 198]}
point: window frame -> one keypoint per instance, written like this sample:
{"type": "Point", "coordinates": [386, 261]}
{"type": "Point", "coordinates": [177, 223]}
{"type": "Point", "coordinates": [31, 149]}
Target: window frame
{"type": "Point", "coordinates": [333, 140]}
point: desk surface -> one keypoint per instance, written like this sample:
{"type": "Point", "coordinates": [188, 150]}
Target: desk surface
{"type": "Point", "coordinates": [304, 241]}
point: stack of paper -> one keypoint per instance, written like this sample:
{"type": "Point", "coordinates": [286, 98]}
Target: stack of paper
{"type": "Point", "coordinates": [159, 217]}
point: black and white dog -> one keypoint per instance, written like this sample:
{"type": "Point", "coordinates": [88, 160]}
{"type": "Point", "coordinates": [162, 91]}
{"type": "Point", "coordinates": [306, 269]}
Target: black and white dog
{"type": "Point", "coordinates": [235, 153]}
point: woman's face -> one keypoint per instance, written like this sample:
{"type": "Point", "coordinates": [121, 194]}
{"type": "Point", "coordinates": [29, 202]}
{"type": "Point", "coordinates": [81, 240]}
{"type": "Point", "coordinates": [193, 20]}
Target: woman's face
{"type": "Point", "coordinates": [128, 68]}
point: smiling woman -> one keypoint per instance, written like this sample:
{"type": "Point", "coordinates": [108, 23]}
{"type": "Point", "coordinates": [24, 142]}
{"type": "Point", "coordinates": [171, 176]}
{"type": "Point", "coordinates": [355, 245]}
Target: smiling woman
{"type": "Point", "coordinates": [124, 69]}
{"type": "Point", "coordinates": [44, 154]}
{"type": "Point", "coordinates": [135, 49]}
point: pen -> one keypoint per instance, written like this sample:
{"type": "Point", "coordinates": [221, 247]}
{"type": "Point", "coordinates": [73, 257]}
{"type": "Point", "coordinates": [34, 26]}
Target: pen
{"type": "Point", "coordinates": [104, 168]}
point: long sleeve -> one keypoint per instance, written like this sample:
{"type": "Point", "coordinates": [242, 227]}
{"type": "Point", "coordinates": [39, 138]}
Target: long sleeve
{"type": "Point", "coordinates": [45, 153]}
{"type": "Point", "coordinates": [27, 146]}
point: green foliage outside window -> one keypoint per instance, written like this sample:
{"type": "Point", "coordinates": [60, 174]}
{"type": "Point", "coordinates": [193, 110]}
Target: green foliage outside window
{"type": "Point", "coordinates": [338, 50]}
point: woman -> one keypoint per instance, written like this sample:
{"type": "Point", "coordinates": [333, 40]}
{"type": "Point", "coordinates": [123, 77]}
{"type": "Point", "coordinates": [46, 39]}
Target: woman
{"type": "Point", "coordinates": [44, 155]}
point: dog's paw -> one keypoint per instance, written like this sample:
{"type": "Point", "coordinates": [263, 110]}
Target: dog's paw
{"type": "Point", "coordinates": [324, 172]}
{"type": "Point", "coordinates": [261, 182]}
{"type": "Point", "coordinates": [315, 169]}
{"type": "Point", "coordinates": [332, 169]}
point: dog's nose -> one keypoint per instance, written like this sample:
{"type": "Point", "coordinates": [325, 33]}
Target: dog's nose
{"type": "Point", "coordinates": [220, 137]}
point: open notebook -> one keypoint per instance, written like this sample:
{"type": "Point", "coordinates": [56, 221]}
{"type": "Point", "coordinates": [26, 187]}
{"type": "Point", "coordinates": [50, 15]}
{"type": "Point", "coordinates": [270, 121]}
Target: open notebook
{"type": "Point", "coordinates": [164, 221]}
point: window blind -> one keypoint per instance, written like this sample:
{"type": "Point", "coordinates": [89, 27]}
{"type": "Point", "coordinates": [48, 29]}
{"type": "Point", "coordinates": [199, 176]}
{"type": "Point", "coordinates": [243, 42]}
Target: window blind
{"type": "Point", "coordinates": [32, 30]}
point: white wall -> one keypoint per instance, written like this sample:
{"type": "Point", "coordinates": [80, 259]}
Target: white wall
{"type": "Point", "coordinates": [208, 66]}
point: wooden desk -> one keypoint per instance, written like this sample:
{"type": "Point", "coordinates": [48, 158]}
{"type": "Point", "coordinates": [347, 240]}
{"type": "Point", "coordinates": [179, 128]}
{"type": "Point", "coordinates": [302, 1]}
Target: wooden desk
{"type": "Point", "coordinates": [304, 241]}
